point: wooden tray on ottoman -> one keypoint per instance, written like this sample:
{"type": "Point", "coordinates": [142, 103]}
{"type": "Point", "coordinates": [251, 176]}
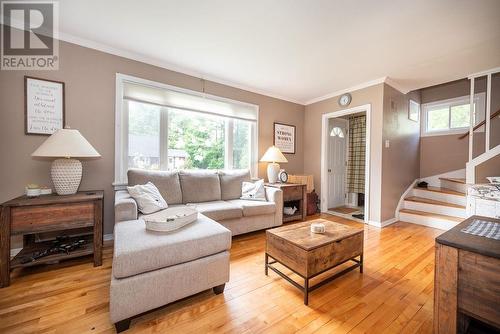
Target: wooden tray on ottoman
{"type": "Point", "coordinates": [309, 254]}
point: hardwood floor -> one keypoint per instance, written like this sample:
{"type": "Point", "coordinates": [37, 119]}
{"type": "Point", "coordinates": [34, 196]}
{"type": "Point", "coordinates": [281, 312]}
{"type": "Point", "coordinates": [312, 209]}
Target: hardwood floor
{"type": "Point", "coordinates": [395, 294]}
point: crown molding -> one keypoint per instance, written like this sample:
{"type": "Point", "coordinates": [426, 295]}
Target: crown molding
{"type": "Point", "coordinates": [347, 90]}
{"type": "Point", "coordinates": [166, 65]}
{"type": "Point", "coordinates": [363, 85]}
{"type": "Point", "coordinates": [394, 84]}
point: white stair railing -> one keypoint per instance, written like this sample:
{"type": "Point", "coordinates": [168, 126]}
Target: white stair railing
{"type": "Point", "coordinates": [489, 152]}
{"type": "Point", "coordinates": [470, 167]}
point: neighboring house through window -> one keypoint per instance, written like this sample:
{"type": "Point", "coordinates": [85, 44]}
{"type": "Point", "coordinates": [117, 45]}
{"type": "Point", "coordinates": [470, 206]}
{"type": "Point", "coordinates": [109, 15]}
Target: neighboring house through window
{"type": "Point", "coordinates": [161, 127]}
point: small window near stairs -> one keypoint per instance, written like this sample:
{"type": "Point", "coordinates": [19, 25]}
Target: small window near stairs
{"type": "Point", "coordinates": [451, 116]}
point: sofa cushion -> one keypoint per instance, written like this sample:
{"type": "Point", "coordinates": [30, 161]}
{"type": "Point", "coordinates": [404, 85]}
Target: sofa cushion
{"type": "Point", "coordinates": [231, 181]}
{"type": "Point", "coordinates": [254, 208]}
{"type": "Point", "coordinates": [199, 186]}
{"type": "Point", "coordinates": [219, 210]}
{"type": "Point", "coordinates": [167, 183]}
{"type": "Point", "coordinates": [137, 250]}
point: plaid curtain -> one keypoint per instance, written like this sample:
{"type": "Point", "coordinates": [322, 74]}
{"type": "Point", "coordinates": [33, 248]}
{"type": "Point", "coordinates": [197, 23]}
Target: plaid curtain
{"type": "Point", "coordinates": [356, 162]}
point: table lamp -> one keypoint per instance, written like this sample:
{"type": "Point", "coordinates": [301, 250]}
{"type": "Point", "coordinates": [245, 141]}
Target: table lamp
{"type": "Point", "coordinates": [273, 155]}
{"type": "Point", "coordinates": [66, 144]}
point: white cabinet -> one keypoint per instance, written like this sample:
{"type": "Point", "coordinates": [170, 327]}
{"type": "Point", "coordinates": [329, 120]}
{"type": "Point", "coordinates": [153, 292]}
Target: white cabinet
{"type": "Point", "coordinates": [483, 207]}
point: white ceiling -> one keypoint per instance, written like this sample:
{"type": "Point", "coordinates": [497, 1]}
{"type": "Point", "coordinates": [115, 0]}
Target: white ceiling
{"type": "Point", "coordinates": [297, 50]}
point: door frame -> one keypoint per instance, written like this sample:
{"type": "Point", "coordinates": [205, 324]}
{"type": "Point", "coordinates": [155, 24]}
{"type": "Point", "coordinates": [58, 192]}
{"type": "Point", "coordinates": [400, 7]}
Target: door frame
{"type": "Point", "coordinates": [324, 152]}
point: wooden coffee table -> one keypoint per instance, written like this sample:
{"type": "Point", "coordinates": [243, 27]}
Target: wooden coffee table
{"type": "Point", "coordinates": [309, 254]}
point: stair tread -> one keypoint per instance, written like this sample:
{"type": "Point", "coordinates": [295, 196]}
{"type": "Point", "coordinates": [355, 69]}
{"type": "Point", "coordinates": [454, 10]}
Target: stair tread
{"type": "Point", "coordinates": [453, 179]}
{"type": "Point", "coordinates": [429, 214]}
{"type": "Point", "coordinates": [434, 202]}
{"type": "Point", "coordinates": [441, 190]}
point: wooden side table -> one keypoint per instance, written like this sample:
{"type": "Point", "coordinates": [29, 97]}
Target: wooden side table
{"type": "Point", "coordinates": [49, 213]}
{"type": "Point", "coordinates": [293, 195]}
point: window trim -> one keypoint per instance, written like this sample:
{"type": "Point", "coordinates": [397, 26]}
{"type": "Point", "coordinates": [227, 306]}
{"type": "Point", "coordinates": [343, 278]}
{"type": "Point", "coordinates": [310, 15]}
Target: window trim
{"type": "Point", "coordinates": [479, 98]}
{"type": "Point", "coordinates": [121, 123]}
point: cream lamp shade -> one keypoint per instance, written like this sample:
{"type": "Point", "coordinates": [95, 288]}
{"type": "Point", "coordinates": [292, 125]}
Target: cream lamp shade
{"type": "Point", "coordinates": [67, 172]}
{"type": "Point", "coordinates": [273, 155]}
{"type": "Point", "coordinates": [66, 143]}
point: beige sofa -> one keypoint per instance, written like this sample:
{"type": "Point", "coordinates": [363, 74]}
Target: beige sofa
{"type": "Point", "coordinates": [215, 194]}
{"type": "Point", "coordinates": [152, 269]}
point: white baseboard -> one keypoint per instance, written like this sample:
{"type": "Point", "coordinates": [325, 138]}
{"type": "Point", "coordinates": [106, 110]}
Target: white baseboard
{"type": "Point", "coordinates": [108, 237]}
{"type": "Point", "coordinates": [384, 223]}
{"type": "Point", "coordinates": [389, 221]}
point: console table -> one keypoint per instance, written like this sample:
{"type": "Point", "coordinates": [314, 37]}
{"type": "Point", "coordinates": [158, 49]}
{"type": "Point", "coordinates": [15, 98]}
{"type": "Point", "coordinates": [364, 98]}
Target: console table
{"type": "Point", "coordinates": [294, 194]}
{"type": "Point", "coordinates": [467, 279]}
{"type": "Point", "coordinates": [49, 213]}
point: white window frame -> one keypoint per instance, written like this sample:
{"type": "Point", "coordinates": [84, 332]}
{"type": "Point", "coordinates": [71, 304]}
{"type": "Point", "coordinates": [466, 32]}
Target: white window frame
{"type": "Point", "coordinates": [121, 123]}
{"type": "Point", "coordinates": [479, 100]}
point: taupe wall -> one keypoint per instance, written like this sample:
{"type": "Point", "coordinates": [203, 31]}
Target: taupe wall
{"type": "Point", "coordinates": [89, 76]}
{"type": "Point", "coordinates": [488, 168]}
{"type": "Point", "coordinates": [400, 161]}
{"type": "Point", "coordinates": [445, 91]}
{"type": "Point", "coordinates": [312, 139]}
{"type": "Point", "coordinates": [441, 154]}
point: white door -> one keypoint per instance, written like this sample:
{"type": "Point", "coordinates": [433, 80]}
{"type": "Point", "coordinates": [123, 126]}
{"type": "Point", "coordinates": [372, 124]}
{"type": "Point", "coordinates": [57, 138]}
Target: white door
{"type": "Point", "coordinates": [337, 145]}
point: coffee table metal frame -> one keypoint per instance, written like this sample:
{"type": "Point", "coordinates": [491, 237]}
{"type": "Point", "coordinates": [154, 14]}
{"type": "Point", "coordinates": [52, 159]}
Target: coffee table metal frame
{"type": "Point", "coordinates": [306, 288]}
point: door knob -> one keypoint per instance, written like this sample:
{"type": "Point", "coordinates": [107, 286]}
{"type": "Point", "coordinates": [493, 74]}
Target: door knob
{"type": "Point", "coordinates": [329, 170]}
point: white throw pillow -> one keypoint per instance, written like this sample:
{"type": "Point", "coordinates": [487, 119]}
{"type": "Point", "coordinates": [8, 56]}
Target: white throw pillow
{"type": "Point", "coordinates": [254, 191]}
{"type": "Point", "coordinates": [148, 198]}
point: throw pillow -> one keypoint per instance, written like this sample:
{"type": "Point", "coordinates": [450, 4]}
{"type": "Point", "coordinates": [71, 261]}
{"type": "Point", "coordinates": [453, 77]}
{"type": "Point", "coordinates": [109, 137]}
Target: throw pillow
{"type": "Point", "coordinates": [254, 191]}
{"type": "Point", "coordinates": [148, 198]}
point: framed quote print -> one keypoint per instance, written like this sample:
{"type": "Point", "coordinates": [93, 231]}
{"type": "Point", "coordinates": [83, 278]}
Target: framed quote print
{"type": "Point", "coordinates": [43, 106]}
{"type": "Point", "coordinates": [284, 137]}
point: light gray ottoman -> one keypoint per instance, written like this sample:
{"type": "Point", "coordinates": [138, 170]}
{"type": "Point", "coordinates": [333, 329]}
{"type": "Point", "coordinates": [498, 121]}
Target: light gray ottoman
{"type": "Point", "coordinates": [152, 269]}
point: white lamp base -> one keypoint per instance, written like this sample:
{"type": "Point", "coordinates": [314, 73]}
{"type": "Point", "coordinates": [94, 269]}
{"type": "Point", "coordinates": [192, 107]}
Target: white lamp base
{"type": "Point", "coordinates": [66, 175]}
{"type": "Point", "coordinates": [273, 170]}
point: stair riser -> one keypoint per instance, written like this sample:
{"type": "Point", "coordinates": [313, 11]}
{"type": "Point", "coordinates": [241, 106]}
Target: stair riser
{"type": "Point", "coordinates": [454, 186]}
{"type": "Point", "coordinates": [443, 197]}
{"type": "Point", "coordinates": [441, 224]}
{"type": "Point", "coordinates": [440, 209]}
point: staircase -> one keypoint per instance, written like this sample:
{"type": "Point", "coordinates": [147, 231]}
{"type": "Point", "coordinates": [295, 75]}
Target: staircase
{"type": "Point", "coordinates": [440, 207]}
